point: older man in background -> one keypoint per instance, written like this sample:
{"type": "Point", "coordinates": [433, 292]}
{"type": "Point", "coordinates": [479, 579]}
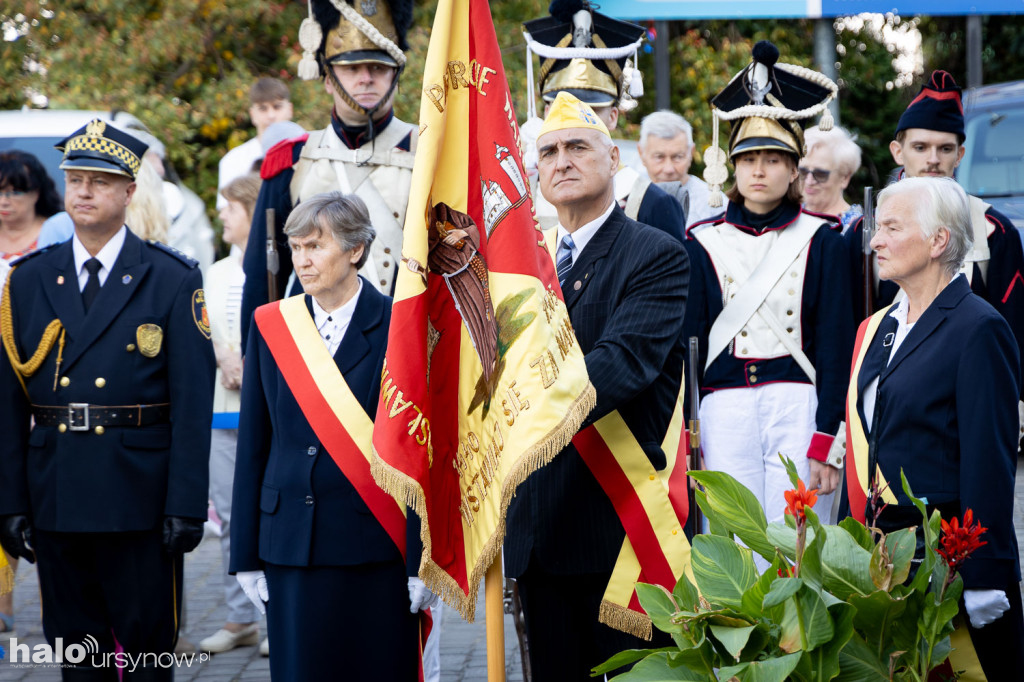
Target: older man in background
{"type": "Point", "coordinates": [666, 150]}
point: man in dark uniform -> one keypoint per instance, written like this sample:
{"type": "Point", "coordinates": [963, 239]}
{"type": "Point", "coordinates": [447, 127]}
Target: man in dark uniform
{"type": "Point", "coordinates": [364, 151]}
{"type": "Point", "coordinates": [608, 85]}
{"type": "Point", "coordinates": [107, 348]}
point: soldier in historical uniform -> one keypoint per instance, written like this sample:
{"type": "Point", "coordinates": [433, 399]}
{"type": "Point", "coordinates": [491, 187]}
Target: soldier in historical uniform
{"type": "Point", "coordinates": [107, 349]}
{"type": "Point", "coordinates": [768, 296]}
{"type": "Point", "coordinates": [608, 85]}
{"type": "Point", "coordinates": [365, 150]}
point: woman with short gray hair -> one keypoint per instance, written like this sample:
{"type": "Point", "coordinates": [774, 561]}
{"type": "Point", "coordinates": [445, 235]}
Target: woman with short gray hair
{"type": "Point", "coordinates": [933, 396]}
{"type": "Point", "coordinates": [313, 540]}
{"type": "Point", "coordinates": [345, 216]}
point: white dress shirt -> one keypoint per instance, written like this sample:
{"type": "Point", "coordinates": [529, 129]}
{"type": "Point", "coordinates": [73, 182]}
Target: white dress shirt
{"type": "Point", "coordinates": [333, 324]}
{"type": "Point", "coordinates": [107, 257]}
{"type": "Point", "coordinates": [582, 236]}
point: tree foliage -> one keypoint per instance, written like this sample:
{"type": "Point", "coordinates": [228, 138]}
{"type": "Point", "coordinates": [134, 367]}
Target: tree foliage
{"type": "Point", "coordinates": [184, 67]}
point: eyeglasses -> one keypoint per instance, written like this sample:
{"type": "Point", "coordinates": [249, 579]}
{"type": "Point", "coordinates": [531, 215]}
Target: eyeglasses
{"type": "Point", "coordinates": [820, 175]}
{"type": "Point", "coordinates": [12, 194]}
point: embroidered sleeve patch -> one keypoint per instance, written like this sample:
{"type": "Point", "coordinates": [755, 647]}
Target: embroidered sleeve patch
{"type": "Point", "coordinates": [199, 314]}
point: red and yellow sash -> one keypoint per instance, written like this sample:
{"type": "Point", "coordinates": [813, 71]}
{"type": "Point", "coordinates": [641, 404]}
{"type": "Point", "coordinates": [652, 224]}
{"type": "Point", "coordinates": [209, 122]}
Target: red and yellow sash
{"type": "Point", "coordinates": [327, 402]}
{"type": "Point", "coordinates": [857, 478]}
{"type": "Point", "coordinates": [652, 507]}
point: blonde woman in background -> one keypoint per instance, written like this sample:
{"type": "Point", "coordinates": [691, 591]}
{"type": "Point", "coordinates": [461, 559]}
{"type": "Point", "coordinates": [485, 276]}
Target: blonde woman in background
{"type": "Point", "coordinates": [223, 300]}
{"type": "Point", "coordinates": [147, 215]}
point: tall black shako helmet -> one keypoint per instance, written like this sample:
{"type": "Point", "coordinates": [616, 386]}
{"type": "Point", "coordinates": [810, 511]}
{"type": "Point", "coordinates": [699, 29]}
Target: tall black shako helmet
{"type": "Point", "coordinates": [768, 103]}
{"type": "Point", "coordinates": [585, 53]}
{"type": "Point", "coordinates": [355, 32]}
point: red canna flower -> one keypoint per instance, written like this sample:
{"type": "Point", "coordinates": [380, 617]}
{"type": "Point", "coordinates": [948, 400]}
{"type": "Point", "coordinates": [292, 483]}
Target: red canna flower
{"type": "Point", "coordinates": [960, 540]}
{"type": "Point", "coordinates": [786, 572]}
{"type": "Point", "coordinates": [797, 500]}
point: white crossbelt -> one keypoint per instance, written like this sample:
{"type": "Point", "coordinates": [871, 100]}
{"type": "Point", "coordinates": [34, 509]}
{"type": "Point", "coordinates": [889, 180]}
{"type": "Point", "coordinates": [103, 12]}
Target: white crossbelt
{"type": "Point", "coordinates": [750, 299]}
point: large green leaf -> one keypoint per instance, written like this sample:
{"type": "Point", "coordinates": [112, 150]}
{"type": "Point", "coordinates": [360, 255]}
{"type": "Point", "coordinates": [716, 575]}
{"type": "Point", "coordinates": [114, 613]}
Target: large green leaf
{"type": "Point", "coordinates": [901, 545]}
{"type": "Point", "coordinates": [844, 563]}
{"type": "Point", "coordinates": [715, 525]}
{"type": "Point", "coordinates": [627, 657]}
{"type": "Point", "coordinates": [737, 509]}
{"type": "Point", "coordinates": [806, 623]}
{"type": "Point", "coordinates": [768, 670]}
{"type": "Point", "coordinates": [822, 664]}
{"type": "Point", "coordinates": [660, 668]}
{"type": "Point", "coordinates": [686, 595]}
{"type": "Point", "coordinates": [781, 590]}
{"type": "Point", "coordinates": [732, 639]}
{"type": "Point", "coordinates": [877, 615]}
{"type": "Point", "coordinates": [658, 603]}
{"type": "Point", "coordinates": [753, 598]}
{"type": "Point", "coordinates": [723, 570]}
{"type": "Point", "coordinates": [858, 662]}
{"type": "Point", "coordinates": [858, 532]}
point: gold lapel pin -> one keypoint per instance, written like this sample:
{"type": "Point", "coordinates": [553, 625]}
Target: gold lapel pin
{"type": "Point", "coordinates": [60, 279]}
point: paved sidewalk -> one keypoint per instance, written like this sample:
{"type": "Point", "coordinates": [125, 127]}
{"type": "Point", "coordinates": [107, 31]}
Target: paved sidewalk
{"type": "Point", "coordinates": [463, 645]}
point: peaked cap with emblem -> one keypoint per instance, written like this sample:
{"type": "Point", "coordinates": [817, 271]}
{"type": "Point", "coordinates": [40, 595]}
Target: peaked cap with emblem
{"type": "Point", "coordinates": [353, 32]}
{"type": "Point", "coordinates": [768, 103]}
{"type": "Point", "coordinates": [938, 106]}
{"type": "Point", "coordinates": [587, 54]}
{"type": "Point", "coordinates": [99, 146]}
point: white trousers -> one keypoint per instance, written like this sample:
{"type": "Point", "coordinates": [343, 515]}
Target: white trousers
{"type": "Point", "coordinates": [743, 430]}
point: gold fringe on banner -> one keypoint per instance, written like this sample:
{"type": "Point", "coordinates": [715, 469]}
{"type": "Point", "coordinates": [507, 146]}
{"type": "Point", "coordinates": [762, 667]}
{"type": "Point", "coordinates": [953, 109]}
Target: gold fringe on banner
{"type": "Point", "coordinates": [406, 490]}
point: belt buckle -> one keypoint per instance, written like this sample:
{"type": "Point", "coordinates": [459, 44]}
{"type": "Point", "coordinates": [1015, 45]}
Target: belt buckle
{"type": "Point", "coordinates": [84, 407]}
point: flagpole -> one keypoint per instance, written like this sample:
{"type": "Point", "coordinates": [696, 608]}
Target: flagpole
{"type": "Point", "coordinates": [494, 605]}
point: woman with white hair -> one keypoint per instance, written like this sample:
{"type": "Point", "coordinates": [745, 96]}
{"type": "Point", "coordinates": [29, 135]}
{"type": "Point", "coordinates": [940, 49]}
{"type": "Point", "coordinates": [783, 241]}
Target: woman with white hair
{"type": "Point", "coordinates": [832, 159]}
{"type": "Point", "coordinates": [934, 395]}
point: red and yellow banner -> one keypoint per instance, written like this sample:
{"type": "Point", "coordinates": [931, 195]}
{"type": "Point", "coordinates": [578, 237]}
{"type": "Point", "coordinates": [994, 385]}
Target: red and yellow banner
{"type": "Point", "coordinates": [483, 381]}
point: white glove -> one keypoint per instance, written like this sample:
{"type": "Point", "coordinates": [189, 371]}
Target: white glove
{"type": "Point", "coordinates": [985, 606]}
{"type": "Point", "coordinates": [254, 584]}
{"type": "Point", "coordinates": [420, 598]}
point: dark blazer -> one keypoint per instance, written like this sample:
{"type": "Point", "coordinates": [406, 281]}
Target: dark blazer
{"type": "Point", "coordinates": [625, 294]}
{"type": "Point", "coordinates": [292, 506]}
{"type": "Point", "coordinates": [128, 478]}
{"type": "Point", "coordinates": [947, 416]}
{"type": "Point", "coordinates": [661, 210]}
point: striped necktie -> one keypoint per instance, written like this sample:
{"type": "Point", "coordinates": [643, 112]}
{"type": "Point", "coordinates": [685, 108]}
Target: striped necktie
{"type": "Point", "coordinates": [564, 264]}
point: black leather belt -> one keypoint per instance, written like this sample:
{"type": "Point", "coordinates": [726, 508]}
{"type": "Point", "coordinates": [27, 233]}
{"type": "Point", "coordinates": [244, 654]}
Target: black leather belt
{"type": "Point", "coordinates": [83, 416]}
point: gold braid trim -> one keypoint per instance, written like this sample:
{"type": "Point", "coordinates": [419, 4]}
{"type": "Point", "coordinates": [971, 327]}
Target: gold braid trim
{"type": "Point", "coordinates": [50, 335]}
{"type": "Point", "coordinates": [625, 620]}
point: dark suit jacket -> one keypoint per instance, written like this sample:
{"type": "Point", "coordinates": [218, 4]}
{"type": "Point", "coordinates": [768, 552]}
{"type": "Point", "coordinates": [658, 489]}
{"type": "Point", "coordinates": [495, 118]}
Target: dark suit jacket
{"type": "Point", "coordinates": [292, 505]}
{"type": "Point", "coordinates": [128, 478]}
{"type": "Point", "coordinates": [625, 294]}
{"type": "Point", "coordinates": [661, 210]}
{"type": "Point", "coordinates": [947, 416]}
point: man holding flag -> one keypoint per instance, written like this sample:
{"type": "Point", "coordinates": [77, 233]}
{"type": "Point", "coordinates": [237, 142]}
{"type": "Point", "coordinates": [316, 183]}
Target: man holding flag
{"type": "Point", "coordinates": [625, 289]}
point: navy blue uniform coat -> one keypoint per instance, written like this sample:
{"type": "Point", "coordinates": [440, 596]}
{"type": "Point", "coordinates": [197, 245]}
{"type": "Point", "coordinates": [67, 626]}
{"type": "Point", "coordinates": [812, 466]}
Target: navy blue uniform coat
{"type": "Point", "coordinates": [292, 504]}
{"type": "Point", "coordinates": [947, 416]}
{"type": "Point", "coordinates": [129, 478]}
